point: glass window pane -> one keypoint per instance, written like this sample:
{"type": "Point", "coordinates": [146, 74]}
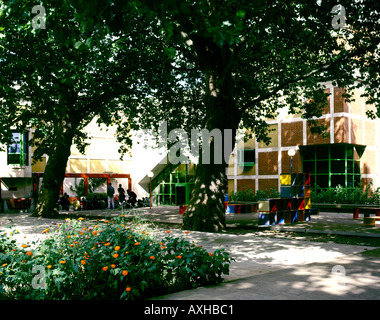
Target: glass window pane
{"type": "Point", "coordinates": [356, 166]}
{"type": "Point", "coordinates": [309, 153]}
{"type": "Point", "coordinates": [338, 166]}
{"type": "Point", "coordinates": [309, 167]}
{"type": "Point", "coordinates": [312, 181]}
{"type": "Point", "coordinates": [338, 151]}
{"type": "Point", "coordinates": [322, 167]}
{"type": "Point", "coordinates": [14, 146]}
{"type": "Point", "coordinates": [350, 181]}
{"type": "Point", "coordinates": [338, 180]}
{"type": "Point", "coordinates": [322, 152]}
{"type": "Point", "coordinates": [350, 152]}
{"type": "Point", "coordinates": [357, 181]}
{"type": "Point", "coordinates": [322, 181]}
{"type": "Point", "coordinates": [350, 166]}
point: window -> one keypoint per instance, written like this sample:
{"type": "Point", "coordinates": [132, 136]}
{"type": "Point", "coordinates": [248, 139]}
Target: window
{"type": "Point", "coordinates": [18, 149]}
{"type": "Point", "coordinates": [331, 165]}
{"type": "Point", "coordinates": [246, 157]}
{"type": "Point", "coordinates": [176, 187]}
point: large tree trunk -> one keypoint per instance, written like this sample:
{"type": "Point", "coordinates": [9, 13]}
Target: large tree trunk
{"type": "Point", "coordinates": [206, 208]}
{"type": "Point", "coordinates": [54, 175]}
{"type": "Point", "coordinates": [206, 211]}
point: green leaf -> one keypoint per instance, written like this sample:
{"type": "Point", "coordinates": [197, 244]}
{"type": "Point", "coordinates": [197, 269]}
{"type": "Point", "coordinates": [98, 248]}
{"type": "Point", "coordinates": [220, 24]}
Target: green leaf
{"type": "Point", "coordinates": [240, 14]}
{"type": "Point", "coordinates": [78, 44]}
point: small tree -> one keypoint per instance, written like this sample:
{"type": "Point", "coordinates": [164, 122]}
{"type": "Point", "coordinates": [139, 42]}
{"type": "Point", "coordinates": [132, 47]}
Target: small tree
{"type": "Point", "coordinates": [56, 76]}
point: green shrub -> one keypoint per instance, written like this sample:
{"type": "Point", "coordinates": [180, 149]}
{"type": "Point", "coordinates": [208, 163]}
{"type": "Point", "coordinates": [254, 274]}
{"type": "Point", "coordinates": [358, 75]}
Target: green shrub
{"type": "Point", "coordinates": [265, 194]}
{"type": "Point", "coordinates": [106, 261]}
{"type": "Point", "coordinates": [341, 195]}
{"type": "Point", "coordinates": [242, 195]}
{"type": "Point", "coordinates": [249, 196]}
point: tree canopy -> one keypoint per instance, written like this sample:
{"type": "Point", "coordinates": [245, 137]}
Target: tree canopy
{"type": "Point", "coordinates": [201, 64]}
{"type": "Point", "coordinates": [57, 75]}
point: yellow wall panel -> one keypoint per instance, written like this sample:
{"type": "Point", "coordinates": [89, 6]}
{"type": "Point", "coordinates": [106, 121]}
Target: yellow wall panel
{"type": "Point", "coordinates": [231, 186]}
{"type": "Point", "coordinates": [39, 166]}
{"type": "Point", "coordinates": [247, 171]}
{"type": "Point", "coordinates": [274, 137]}
{"type": "Point", "coordinates": [78, 165]}
{"type": "Point", "coordinates": [117, 166]}
{"type": "Point", "coordinates": [98, 166]}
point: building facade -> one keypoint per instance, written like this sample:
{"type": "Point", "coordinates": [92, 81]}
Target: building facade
{"type": "Point", "coordinates": [349, 156]}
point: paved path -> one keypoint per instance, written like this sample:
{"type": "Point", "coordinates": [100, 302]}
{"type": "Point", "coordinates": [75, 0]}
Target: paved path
{"type": "Point", "coordinates": [267, 268]}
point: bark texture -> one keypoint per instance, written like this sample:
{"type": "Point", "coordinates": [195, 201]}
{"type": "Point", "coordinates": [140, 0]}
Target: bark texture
{"type": "Point", "coordinates": [54, 174]}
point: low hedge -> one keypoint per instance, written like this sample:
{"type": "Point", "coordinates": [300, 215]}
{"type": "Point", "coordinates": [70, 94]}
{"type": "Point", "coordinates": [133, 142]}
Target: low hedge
{"type": "Point", "coordinates": [341, 195]}
{"type": "Point", "coordinates": [106, 261]}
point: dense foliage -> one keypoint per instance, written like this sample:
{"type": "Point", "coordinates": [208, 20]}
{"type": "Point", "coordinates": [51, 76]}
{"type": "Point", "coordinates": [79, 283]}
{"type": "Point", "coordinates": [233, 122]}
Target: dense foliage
{"type": "Point", "coordinates": [243, 194]}
{"type": "Point", "coordinates": [341, 195]}
{"type": "Point", "coordinates": [109, 260]}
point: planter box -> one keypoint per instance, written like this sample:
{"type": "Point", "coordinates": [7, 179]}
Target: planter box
{"type": "Point", "coordinates": [241, 207]}
{"type": "Point", "coordinates": [264, 219]}
{"type": "Point", "coordinates": [268, 218]}
{"type": "Point", "coordinates": [288, 216]}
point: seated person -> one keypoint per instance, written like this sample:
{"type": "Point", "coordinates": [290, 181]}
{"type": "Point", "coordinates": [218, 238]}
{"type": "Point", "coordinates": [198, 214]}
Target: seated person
{"type": "Point", "coordinates": [64, 202]}
{"type": "Point", "coordinates": [132, 197]}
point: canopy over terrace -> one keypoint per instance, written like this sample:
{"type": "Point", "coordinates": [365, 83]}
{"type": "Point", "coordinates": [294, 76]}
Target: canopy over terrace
{"type": "Point", "coordinates": [85, 176]}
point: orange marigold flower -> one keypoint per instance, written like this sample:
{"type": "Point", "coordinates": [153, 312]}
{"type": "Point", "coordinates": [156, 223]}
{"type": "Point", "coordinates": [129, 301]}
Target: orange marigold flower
{"type": "Point", "coordinates": [62, 262]}
{"type": "Point", "coordinates": [24, 246]}
{"type": "Point", "coordinates": [163, 247]}
{"type": "Point", "coordinates": [115, 255]}
{"type": "Point", "coordinates": [124, 273]}
{"type": "Point", "coordinates": [167, 231]}
{"type": "Point", "coordinates": [137, 243]}
{"type": "Point", "coordinates": [105, 268]}
{"type": "Point", "coordinates": [211, 255]}
{"type": "Point", "coordinates": [49, 266]}
{"type": "Point", "coordinates": [128, 289]}
{"type": "Point", "coordinates": [117, 248]}
{"type": "Point", "coordinates": [187, 232]}
{"type": "Point", "coordinates": [152, 257]}
{"type": "Point", "coordinates": [5, 264]}
{"type": "Point", "coordinates": [126, 252]}
{"type": "Point", "coordinates": [113, 266]}
{"type": "Point", "coordinates": [107, 244]}
{"type": "Point", "coordinates": [83, 262]}
{"type": "Point", "coordinates": [178, 257]}
{"type": "Point", "coordinates": [29, 253]}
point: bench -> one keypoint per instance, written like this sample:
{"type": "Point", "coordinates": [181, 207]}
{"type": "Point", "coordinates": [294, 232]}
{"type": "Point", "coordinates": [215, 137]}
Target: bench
{"type": "Point", "coordinates": [18, 204]}
{"type": "Point", "coordinates": [375, 210]}
{"type": "Point", "coordinates": [370, 221]}
{"type": "Point", "coordinates": [356, 208]}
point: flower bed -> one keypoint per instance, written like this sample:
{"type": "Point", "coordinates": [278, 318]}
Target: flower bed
{"type": "Point", "coordinates": [106, 261]}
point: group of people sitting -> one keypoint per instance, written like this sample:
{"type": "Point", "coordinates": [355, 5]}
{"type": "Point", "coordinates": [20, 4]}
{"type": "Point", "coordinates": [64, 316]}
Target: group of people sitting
{"type": "Point", "coordinates": [130, 198]}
